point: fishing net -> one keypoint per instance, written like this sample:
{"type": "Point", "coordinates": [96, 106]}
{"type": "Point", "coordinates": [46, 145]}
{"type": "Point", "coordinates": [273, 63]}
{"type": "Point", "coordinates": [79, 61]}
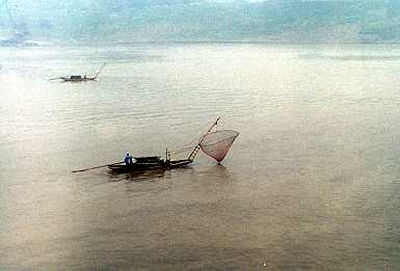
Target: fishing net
{"type": "Point", "coordinates": [217, 144]}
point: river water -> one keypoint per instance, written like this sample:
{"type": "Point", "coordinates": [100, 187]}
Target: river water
{"type": "Point", "coordinates": [311, 183]}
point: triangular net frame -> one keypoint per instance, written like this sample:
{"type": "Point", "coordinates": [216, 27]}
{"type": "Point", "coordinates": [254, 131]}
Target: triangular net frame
{"type": "Point", "coordinates": [217, 144]}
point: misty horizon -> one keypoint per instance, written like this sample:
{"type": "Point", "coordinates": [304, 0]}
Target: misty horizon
{"type": "Point", "coordinates": [200, 20]}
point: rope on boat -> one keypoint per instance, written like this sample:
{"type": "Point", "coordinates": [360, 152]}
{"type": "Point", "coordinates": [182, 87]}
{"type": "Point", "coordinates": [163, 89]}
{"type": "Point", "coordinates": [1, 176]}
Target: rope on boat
{"type": "Point", "coordinates": [181, 150]}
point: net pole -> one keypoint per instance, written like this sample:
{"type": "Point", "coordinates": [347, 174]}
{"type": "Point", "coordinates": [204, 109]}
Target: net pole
{"type": "Point", "coordinates": [97, 74]}
{"type": "Point", "coordinates": [196, 149]}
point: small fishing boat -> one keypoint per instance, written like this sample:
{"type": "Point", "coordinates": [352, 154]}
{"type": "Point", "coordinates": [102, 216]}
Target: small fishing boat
{"type": "Point", "coordinates": [215, 144]}
{"type": "Point", "coordinates": [79, 78]}
{"type": "Point", "coordinates": [149, 163]}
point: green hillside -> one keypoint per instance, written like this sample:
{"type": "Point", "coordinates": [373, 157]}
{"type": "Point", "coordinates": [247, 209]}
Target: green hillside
{"type": "Point", "coordinates": [197, 20]}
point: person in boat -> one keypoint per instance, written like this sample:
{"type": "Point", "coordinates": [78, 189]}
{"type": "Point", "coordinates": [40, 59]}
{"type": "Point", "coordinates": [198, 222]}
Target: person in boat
{"type": "Point", "coordinates": [128, 159]}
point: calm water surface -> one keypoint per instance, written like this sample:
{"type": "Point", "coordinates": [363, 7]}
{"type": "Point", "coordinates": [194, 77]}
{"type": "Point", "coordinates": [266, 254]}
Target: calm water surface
{"type": "Point", "coordinates": [312, 182]}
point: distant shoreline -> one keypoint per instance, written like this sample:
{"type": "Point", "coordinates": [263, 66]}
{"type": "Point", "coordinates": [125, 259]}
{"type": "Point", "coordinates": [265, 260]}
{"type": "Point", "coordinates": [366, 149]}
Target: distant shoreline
{"type": "Point", "coordinates": [42, 43]}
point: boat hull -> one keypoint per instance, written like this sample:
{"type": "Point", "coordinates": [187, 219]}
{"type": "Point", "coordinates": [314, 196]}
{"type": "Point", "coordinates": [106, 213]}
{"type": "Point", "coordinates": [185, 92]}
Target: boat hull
{"type": "Point", "coordinates": [78, 80]}
{"type": "Point", "coordinates": [148, 163]}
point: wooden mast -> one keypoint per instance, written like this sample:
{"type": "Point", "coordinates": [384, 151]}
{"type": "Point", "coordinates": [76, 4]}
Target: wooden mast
{"type": "Point", "coordinates": [97, 74]}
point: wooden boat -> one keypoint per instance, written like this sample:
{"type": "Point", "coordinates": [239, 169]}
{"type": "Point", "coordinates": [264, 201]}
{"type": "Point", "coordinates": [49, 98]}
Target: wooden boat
{"type": "Point", "coordinates": [155, 162]}
{"type": "Point", "coordinates": [79, 78]}
{"type": "Point", "coordinates": [149, 163]}
{"type": "Point", "coordinates": [215, 144]}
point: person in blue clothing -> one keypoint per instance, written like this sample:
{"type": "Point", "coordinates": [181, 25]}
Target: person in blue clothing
{"type": "Point", "coordinates": [128, 159]}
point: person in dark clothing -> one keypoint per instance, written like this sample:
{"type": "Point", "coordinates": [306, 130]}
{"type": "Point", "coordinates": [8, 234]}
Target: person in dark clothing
{"type": "Point", "coordinates": [128, 159]}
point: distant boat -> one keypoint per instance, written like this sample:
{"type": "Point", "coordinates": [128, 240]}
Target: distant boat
{"type": "Point", "coordinates": [76, 78]}
{"type": "Point", "coordinates": [79, 78]}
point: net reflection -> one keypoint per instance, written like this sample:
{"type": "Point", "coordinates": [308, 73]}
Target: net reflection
{"type": "Point", "coordinates": [217, 172]}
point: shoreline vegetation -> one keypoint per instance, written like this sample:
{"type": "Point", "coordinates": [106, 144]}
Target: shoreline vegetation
{"type": "Point", "coordinates": [46, 43]}
{"type": "Point", "coordinates": [278, 21]}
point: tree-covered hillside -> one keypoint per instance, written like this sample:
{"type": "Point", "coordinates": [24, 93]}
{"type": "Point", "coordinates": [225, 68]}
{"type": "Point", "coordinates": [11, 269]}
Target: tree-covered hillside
{"type": "Point", "coordinates": [201, 20]}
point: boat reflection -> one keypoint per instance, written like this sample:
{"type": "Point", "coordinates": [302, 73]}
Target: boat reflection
{"type": "Point", "coordinates": [138, 176]}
